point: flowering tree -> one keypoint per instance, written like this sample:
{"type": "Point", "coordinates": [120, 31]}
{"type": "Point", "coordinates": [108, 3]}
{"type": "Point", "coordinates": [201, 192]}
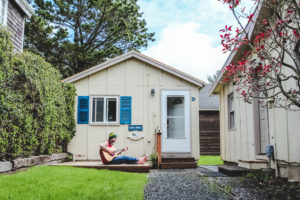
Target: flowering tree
{"type": "Point", "coordinates": [266, 64]}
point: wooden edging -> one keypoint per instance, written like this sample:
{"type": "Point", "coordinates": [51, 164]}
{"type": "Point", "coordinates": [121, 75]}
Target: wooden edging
{"type": "Point", "coordinates": [19, 163]}
{"type": "Point", "coordinates": [232, 195]}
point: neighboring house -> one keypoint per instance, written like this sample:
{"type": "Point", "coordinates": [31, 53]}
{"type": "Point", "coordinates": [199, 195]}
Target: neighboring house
{"type": "Point", "coordinates": [209, 122]}
{"type": "Point", "coordinates": [135, 96]}
{"type": "Point", "coordinates": [247, 129]}
{"type": "Point", "coordinates": [12, 15]}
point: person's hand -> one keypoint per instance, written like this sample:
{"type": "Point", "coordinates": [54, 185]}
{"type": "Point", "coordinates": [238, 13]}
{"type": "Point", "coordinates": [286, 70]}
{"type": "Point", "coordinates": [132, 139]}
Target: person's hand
{"type": "Point", "coordinates": [111, 152]}
{"type": "Point", "coordinates": [125, 149]}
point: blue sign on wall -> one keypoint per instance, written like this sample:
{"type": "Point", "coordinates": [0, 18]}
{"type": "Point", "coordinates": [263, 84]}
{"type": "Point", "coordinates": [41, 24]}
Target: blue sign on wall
{"type": "Point", "coordinates": [135, 127]}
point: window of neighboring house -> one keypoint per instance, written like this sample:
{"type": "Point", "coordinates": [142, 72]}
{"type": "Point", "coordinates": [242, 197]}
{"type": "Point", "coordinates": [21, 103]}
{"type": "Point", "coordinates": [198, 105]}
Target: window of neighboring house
{"type": "Point", "coordinates": [231, 123]}
{"type": "Point", "coordinates": [104, 109]}
{"type": "Point", "coordinates": [2, 10]}
{"type": "Point", "coordinates": [297, 52]}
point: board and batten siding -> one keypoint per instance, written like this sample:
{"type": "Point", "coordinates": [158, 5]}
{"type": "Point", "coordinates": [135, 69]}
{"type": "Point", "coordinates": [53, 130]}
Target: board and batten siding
{"type": "Point", "coordinates": [15, 23]}
{"type": "Point", "coordinates": [136, 79]}
{"type": "Point", "coordinates": [239, 144]}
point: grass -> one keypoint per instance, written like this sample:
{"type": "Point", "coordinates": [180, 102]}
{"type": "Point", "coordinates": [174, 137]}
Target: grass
{"type": "Point", "coordinates": [62, 183]}
{"type": "Point", "coordinates": [210, 160]}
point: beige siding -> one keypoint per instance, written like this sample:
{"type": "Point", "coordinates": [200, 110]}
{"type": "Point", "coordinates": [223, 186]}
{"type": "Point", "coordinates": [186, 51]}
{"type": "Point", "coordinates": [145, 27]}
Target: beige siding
{"type": "Point", "coordinates": [284, 134]}
{"type": "Point", "coordinates": [131, 78]}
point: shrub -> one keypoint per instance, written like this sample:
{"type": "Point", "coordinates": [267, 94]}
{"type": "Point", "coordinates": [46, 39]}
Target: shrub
{"type": "Point", "coordinates": [154, 160]}
{"type": "Point", "coordinates": [36, 108]}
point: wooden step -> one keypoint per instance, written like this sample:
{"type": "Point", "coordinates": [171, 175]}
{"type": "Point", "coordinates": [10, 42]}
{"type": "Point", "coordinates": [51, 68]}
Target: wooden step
{"type": "Point", "coordinates": [177, 160]}
{"type": "Point", "coordinates": [186, 165]}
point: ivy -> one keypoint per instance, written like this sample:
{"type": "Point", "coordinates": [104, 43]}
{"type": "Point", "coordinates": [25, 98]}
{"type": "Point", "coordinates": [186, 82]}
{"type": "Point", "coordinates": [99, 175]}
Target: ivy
{"type": "Point", "coordinates": [36, 108]}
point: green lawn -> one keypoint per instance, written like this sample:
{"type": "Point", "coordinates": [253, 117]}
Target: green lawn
{"type": "Point", "coordinates": [64, 183]}
{"type": "Point", "coordinates": [210, 160]}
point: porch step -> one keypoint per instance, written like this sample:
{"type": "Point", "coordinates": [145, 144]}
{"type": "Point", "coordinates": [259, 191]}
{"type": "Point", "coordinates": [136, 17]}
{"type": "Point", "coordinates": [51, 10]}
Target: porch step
{"type": "Point", "coordinates": [177, 165]}
{"type": "Point", "coordinates": [177, 161]}
{"type": "Point", "coordinates": [233, 170]}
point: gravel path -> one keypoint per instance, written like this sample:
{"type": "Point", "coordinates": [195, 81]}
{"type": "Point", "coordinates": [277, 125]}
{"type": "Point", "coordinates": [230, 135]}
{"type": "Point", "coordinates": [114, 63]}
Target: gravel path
{"type": "Point", "coordinates": [180, 184]}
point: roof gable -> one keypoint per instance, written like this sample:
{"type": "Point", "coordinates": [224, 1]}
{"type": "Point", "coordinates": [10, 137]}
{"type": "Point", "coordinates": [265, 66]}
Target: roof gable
{"type": "Point", "coordinates": [139, 56]}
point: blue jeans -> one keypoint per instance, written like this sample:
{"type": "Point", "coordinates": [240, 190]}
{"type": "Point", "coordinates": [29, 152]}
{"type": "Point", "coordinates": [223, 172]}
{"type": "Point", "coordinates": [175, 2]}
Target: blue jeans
{"type": "Point", "coordinates": [123, 159]}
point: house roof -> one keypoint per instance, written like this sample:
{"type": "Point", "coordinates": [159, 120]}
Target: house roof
{"type": "Point", "coordinates": [235, 54]}
{"type": "Point", "coordinates": [207, 102]}
{"type": "Point", "coordinates": [25, 7]}
{"type": "Point", "coordinates": [141, 57]}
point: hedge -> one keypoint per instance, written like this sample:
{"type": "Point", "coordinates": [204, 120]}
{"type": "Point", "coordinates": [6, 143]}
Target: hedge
{"type": "Point", "coordinates": [36, 108]}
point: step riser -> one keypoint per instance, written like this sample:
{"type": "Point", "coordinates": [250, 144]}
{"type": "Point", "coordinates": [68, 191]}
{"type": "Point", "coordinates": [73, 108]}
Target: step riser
{"type": "Point", "coordinates": [177, 160]}
{"type": "Point", "coordinates": [186, 166]}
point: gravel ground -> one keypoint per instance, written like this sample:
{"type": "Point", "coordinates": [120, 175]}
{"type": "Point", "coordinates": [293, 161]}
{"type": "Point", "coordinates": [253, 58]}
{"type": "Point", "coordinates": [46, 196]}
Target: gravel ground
{"type": "Point", "coordinates": [180, 184]}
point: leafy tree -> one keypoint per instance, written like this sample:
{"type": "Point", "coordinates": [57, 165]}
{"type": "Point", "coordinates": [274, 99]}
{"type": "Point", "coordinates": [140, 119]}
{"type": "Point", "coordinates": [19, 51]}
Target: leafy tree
{"type": "Point", "coordinates": [75, 35]}
{"type": "Point", "coordinates": [214, 77]}
{"type": "Point", "coordinates": [267, 65]}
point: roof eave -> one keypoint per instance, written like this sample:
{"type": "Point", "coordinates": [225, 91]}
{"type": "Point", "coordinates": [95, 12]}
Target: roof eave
{"type": "Point", "coordinates": [26, 8]}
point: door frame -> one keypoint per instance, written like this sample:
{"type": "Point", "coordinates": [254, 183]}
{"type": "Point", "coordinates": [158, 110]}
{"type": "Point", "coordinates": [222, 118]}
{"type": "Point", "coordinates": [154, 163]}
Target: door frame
{"type": "Point", "coordinates": [189, 119]}
{"type": "Point", "coordinates": [257, 127]}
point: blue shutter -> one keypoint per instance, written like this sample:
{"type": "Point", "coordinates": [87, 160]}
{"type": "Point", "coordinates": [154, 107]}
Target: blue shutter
{"type": "Point", "coordinates": [125, 113]}
{"type": "Point", "coordinates": [83, 110]}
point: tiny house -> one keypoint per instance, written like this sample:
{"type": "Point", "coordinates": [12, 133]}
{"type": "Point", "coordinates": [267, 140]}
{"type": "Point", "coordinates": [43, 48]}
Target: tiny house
{"type": "Point", "coordinates": [135, 96]}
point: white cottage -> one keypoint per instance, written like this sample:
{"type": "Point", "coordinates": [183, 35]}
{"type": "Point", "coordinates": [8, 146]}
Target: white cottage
{"type": "Point", "coordinates": [247, 129]}
{"type": "Point", "coordinates": [135, 96]}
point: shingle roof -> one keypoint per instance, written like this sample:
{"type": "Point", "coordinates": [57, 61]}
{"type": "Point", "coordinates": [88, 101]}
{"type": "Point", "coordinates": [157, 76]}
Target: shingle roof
{"type": "Point", "coordinates": [207, 102]}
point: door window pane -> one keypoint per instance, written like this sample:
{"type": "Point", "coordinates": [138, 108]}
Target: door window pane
{"type": "Point", "coordinates": [175, 117]}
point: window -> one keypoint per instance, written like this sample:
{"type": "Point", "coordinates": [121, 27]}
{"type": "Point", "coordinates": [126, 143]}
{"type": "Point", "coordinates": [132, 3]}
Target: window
{"type": "Point", "coordinates": [2, 11]}
{"type": "Point", "coordinates": [104, 109]}
{"type": "Point", "coordinates": [231, 124]}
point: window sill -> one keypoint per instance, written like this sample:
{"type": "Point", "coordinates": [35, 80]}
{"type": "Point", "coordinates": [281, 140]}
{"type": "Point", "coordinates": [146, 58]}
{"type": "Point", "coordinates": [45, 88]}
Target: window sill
{"type": "Point", "coordinates": [104, 124]}
{"type": "Point", "coordinates": [261, 157]}
{"type": "Point", "coordinates": [232, 130]}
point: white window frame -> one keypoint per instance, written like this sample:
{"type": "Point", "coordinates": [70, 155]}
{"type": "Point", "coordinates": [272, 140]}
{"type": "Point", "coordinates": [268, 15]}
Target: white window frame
{"type": "Point", "coordinates": [105, 122]}
{"type": "Point", "coordinates": [231, 109]}
{"type": "Point", "coordinates": [4, 14]}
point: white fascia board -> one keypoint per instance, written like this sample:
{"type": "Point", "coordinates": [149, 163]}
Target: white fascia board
{"type": "Point", "coordinates": [27, 9]}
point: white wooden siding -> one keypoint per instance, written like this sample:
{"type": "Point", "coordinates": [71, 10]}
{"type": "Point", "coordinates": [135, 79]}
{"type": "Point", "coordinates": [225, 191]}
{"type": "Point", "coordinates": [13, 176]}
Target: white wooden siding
{"type": "Point", "coordinates": [131, 78]}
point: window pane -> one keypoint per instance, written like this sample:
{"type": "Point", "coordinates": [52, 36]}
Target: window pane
{"type": "Point", "coordinates": [175, 127]}
{"type": "Point", "coordinates": [97, 111]}
{"type": "Point", "coordinates": [175, 106]}
{"type": "Point", "coordinates": [94, 108]}
{"type": "Point", "coordinates": [1, 11]}
{"type": "Point", "coordinates": [231, 123]}
{"type": "Point", "coordinates": [111, 109]}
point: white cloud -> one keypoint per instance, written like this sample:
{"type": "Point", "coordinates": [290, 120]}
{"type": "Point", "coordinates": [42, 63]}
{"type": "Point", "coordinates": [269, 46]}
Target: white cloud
{"type": "Point", "coordinates": [182, 46]}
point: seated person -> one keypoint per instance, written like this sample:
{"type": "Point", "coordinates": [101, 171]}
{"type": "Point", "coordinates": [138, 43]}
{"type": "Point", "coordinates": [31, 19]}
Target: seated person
{"type": "Point", "coordinates": [108, 153]}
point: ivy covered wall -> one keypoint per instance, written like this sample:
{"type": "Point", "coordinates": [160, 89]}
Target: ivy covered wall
{"type": "Point", "coordinates": [36, 108]}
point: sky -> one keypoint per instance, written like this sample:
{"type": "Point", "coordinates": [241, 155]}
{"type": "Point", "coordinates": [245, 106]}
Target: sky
{"type": "Point", "coordinates": [187, 34]}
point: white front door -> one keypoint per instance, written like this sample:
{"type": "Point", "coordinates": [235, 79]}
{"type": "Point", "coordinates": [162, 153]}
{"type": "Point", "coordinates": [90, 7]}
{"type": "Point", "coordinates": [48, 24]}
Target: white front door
{"type": "Point", "coordinates": [175, 116]}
